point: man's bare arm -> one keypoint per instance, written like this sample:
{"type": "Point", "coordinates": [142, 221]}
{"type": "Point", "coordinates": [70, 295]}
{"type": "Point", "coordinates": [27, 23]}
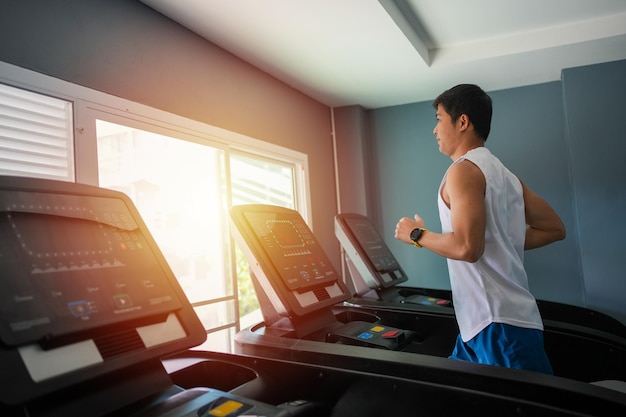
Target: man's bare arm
{"type": "Point", "coordinates": [544, 224]}
{"type": "Point", "coordinates": [464, 192]}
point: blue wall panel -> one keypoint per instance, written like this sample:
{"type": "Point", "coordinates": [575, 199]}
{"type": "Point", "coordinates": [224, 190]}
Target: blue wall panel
{"type": "Point", "coordinates": [528, 136]}
{"type": "Point", "coordinates": [595, 114]}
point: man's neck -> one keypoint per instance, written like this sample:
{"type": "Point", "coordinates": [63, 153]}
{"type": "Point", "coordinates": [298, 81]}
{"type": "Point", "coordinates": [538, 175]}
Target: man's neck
{"type": "Point", "coordinates": [462, 150]}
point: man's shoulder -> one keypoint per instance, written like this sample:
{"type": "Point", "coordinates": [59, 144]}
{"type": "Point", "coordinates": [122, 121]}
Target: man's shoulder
{"type": "Point", "coordinates": [466, 172]}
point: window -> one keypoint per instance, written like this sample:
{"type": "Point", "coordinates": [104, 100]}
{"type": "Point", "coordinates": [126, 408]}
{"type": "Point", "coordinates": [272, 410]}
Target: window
{"type": "Point", "coordinates": [262, 181]}
{"type": "Point", "coordinates": [177, 186]}
{"type": "Point", "coordinates": [181, 174]}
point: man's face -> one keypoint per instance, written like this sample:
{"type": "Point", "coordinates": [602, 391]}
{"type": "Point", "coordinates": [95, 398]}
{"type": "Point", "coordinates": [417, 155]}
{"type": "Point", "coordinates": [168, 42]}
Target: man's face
{"type": "Point", "coordinates": [445, 131]}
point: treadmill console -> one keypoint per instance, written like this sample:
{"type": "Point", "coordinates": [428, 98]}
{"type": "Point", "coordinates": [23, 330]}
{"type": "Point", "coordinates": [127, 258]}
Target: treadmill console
{"type": "Point", "coordinates": [84, 289]}
{"type": "Point", "coordinates": [366, 250]}
{"type": "Point", "coordinates": [372, 266]}
{"type": "Point", "coordinates": [286, 259]}
{"type": "Point", "coordinates": [73, 263]}
{"type": "Point", "coordinates": [298, 258]}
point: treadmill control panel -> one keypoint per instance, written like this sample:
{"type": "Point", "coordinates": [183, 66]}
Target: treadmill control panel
{"type": "Point", "coordinates": [373, 245]}
{"type": "Point", "coordinates": [74, 262]}
{"type": "Point", "coordinates": [288, 264]}
{"type": "Point", "coordinates": [293, 249]}
{"type": "Point", "coordinates": [371, 256]}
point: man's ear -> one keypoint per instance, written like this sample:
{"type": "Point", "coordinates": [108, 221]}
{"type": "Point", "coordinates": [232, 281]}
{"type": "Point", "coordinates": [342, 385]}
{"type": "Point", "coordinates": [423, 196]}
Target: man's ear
{"type": "Point", "coordinates": [463, 121]}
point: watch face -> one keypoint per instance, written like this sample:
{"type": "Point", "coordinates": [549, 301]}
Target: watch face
{"type": "Point", "coordinates": [416, 234]}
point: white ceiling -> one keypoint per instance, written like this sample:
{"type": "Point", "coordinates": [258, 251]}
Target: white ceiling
{"type": "Point", "coordinates": [347, 52]}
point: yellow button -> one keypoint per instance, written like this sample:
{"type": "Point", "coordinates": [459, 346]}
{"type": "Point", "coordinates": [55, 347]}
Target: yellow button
{"type": "Point", "coordinates": [225, 408]}
{"type": "Point", "coordinates": [377, 329]}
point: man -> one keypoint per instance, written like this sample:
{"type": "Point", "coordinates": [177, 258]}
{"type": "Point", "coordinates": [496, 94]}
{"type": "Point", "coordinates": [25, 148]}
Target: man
{"type": "Point", "coordinates": [488, 217]}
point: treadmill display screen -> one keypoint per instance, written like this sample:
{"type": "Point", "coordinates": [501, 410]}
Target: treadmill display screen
{"type": "Point", "coordinates": [292, 248]}
{"type": "Point", "coordinates": [373, 245]}
{"type": "Point", "coordinates": [71, 263]}
{"type": "Point", "coordinates": [370, 259]}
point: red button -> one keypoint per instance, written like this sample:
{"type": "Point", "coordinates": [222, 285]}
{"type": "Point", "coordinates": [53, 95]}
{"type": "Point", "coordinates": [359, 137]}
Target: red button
{"type": "Point", "coordinates": [391, 334]}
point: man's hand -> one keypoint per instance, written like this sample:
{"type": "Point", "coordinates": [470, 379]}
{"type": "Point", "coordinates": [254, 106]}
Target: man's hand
{"type": "Point", "coordinates": [405, 226]}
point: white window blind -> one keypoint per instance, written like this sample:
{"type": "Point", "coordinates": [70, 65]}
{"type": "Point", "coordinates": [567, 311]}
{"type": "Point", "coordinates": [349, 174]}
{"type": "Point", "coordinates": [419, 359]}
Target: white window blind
{"type": "Point", "coordinates": [36, 135]}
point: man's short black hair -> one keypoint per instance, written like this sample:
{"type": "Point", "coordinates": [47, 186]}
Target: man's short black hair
{"type": "Point", "coordinates": [471, 100]}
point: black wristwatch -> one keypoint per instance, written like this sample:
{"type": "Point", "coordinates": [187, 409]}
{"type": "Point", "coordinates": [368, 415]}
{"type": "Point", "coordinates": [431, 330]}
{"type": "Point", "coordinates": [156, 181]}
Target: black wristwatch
{"type": "Point", "coordinates": [415, 235]}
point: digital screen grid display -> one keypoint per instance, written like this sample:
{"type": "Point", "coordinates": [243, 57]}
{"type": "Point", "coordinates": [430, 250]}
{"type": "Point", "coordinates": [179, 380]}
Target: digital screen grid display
{"type": "Point", "coordinates": [374, 246]}
{"type": "Point", "coordinates": [72, 263]}
{"type": "Point", "coordinates": [292, 248]}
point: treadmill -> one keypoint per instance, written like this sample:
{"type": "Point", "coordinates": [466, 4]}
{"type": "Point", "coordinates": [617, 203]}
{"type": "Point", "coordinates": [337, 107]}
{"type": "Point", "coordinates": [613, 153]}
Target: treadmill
{"type": "Point", "coordinates": [94, 323]}
{"type": "Point", "coordinates": [375, 274]}
{"type": "Point", "coordinates": [303, 301]}
{"type": "Point", "coordinates": [376, 278]}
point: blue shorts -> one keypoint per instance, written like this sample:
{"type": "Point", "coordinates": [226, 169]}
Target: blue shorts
{"type": "Point", "coordinates": [505, 345]}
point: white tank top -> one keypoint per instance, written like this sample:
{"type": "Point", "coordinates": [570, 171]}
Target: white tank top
{"type": "Point", "coordinates": [494, 288]}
